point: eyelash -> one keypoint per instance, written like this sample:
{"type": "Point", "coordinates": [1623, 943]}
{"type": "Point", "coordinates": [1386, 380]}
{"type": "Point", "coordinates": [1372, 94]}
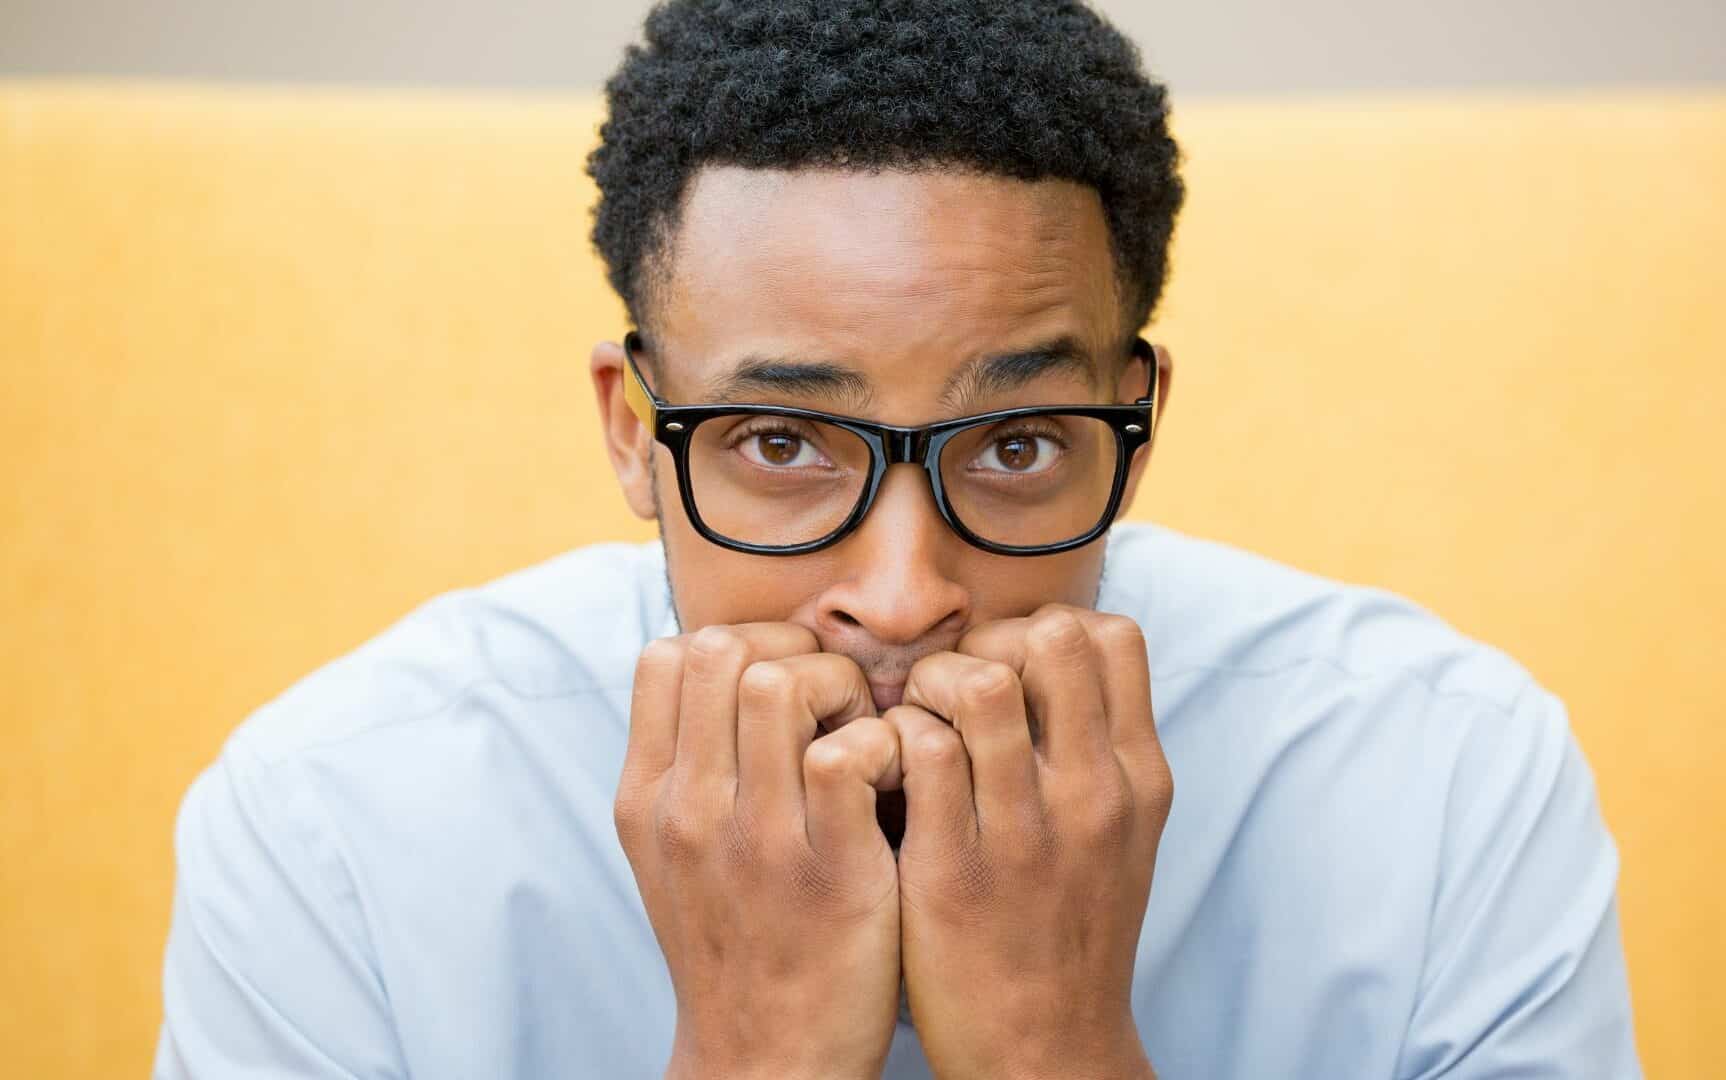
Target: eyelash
{"type": "Point", "coordinates": [754, 429]}
{"type": "Point", "coordinates": [1046, 431]}
{"type": "Point", "coordinates": [777, 426]}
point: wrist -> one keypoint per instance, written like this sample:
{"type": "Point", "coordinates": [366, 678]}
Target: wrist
{"type": "Point", "coordinates": [1071, 1055]}
{"type": "Point", "coordinates": [692, 1067]}
{"type": "Point", "coordinates": [1125, 1066]}
{"type": "Point", "coordinates": [693, 1061]}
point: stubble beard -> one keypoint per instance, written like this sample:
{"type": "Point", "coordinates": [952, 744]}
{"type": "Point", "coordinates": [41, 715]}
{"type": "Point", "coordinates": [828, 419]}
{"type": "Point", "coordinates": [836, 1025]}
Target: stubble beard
{"type": "Point", "coordinates": [889, 805]}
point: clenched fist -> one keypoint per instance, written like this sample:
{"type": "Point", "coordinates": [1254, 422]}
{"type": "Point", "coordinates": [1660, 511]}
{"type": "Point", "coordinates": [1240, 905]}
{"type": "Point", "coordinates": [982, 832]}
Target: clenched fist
{"type": "Point", "coordinates": [770, 887]}
{"type": "Point", "coordinates": [1026, 863]}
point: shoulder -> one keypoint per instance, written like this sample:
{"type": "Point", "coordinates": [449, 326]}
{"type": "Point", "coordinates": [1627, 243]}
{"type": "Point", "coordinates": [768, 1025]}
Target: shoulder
{"type": "Point", "coordinates": [1288, 699]}
{"type": "Point", "coordinates": [1395, 815]}
{"type": "Point", "coordinates": [568, 626]}
{"type": "Point", "coordinates": [1210, 609]}
{"type": "Point", "coordinates": [1294, 705]}
{"type": "Point", "coordinates": [386, 797]}
{"type": "Point", "coordinates": [1290, 703]}
{"type": "Point", "coordinates": [482, 708]}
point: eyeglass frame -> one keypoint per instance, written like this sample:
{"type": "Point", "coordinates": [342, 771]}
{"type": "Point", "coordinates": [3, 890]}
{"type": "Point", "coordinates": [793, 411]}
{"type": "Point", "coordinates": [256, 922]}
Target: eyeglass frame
{"type": "Point", "coordinates": [890, 444]}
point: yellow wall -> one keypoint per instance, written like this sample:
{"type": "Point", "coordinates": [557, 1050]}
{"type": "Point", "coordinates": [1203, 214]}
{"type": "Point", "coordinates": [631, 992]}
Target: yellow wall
{"type": "Point", "coordinates": [275, 367]}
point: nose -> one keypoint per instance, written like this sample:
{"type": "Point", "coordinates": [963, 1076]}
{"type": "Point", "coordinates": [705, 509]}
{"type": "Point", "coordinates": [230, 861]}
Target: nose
{"type": "Point", "coordinates": [895, 586]}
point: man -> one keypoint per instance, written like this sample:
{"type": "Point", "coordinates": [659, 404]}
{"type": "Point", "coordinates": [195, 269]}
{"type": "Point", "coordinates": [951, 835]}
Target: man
{"type": "Point", "coordinates": [865, 770]}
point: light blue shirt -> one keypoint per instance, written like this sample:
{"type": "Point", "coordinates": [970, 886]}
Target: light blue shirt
{"type": "Point", "coordinates": [1385, 857]}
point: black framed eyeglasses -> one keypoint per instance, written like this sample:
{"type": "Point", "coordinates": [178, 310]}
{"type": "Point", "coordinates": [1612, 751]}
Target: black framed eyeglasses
{"type": "Point", "coordinates": [774, 480]}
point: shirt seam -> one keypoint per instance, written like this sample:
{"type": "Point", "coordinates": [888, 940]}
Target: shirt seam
{"type": "Point", "coordinates": [1501, 707]}
{"type": "Point", "coordinates": [455, 698]}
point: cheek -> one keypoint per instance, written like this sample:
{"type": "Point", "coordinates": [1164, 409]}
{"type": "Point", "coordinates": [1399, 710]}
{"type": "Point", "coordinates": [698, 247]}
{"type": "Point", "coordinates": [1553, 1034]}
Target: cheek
{"type": "Point", "coordinates": [716, 586]}
{"type": "Point", "coordinates": [1007, 588]}
{"type": "Point", "coordinates": [716, 589]}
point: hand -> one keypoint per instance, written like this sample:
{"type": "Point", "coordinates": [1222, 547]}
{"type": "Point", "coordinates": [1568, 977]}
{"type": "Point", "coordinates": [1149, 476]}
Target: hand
{"type": "Point", "coordinates": [1026, 865]}
{"type": "Point", "coordinates": [769, 885]}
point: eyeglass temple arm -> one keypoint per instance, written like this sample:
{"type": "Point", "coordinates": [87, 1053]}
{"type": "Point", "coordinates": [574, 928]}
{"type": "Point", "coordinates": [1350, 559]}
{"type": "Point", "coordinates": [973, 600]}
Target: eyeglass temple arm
{"type": "Point", "coordinates": [636, 395]}
{"type": "Point", "coordinates": [1147, 352]}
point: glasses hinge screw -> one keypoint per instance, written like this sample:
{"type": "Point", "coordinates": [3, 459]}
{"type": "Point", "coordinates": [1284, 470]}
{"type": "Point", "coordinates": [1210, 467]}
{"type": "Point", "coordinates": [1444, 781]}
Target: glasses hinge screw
{"type": "Point", "coordinates": [1134, 428]}
{"type": "Point", "coordinates": [674, 426]}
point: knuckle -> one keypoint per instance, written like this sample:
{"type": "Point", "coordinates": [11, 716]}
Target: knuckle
{"type": "Point", "coordinates": [985, 638]}
{"type": "Point", "coordinates": [972, 641]}
{"type": "Point", "coordinates": [924, 668]}
{"type": "Point", "coordinates": [825, 761]}
{"type": "Point", "coordinates": [906, 718]}
{"type": "Point", "coordinates": [1057, 631]}
{"type": "Point", "coordinates": [990, 681]}
{"type": "Point", "coordinates": [661, 657]}
{"type": "Point", "coordinates": [939, 746]}
{"type": "Point", "coordinates": [766, 681]}
{"type": "Point", "coordinates": [1056, 609]}
{"type": "Point", "coordinates": [1107, 816]}
{"type": "Point", "coordinates": [806, 641]}
{"type": "Point", "coordinates": [679, 836]}
{"type": "Point", "coordinates": [870, 731]}
{"type": "Point", "coordinates": [1160, 790]}
{"type": "Point", "coordinates": [902, 719]}
{"type": "Point", "coordinates": [714, 645]}
{"type": "Point", "coordinates": [1120, 634]}
{"type": "Point", "coordinates": [626, 818]}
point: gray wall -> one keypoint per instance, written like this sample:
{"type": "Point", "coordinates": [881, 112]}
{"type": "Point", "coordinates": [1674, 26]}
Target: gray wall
{"type": "Point", "coordinates": [1198, 46]}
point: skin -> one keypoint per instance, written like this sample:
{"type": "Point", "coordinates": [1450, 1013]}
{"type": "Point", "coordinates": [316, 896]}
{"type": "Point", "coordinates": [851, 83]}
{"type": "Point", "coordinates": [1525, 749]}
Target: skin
{"type": "Point", "coordinates": [900, 660]}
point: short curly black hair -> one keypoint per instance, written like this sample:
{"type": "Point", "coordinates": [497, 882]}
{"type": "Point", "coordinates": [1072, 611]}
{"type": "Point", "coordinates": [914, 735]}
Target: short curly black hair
{"type": "Point", "coordinates": [1028, 89]}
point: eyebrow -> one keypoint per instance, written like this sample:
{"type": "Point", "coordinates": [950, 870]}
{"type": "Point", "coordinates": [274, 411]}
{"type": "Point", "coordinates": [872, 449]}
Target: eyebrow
{"type": "Point", "coordinates": [818, 379]}
{"type": "Point", "coordinates": [979, 377]}
{"type": "Point", "coordinates": [1002, 373]}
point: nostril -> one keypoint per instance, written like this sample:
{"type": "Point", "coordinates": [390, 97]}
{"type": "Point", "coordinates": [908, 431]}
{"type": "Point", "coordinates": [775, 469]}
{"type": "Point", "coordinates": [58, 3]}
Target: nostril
{"type": "Point", "coordinates": [844, 619]}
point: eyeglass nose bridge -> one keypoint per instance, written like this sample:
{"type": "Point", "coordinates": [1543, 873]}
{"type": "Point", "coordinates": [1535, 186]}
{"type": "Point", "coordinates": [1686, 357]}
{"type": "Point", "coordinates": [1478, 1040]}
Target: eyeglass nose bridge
{"type": "Point", "coordinates": [906, 445]}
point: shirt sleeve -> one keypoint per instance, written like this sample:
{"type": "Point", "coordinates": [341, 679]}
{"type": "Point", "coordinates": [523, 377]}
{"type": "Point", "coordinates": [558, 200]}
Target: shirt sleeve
{"type": "Point", "coordinates": [1524, 974]}
{"type": "Point", "coordinates": [267, 972]}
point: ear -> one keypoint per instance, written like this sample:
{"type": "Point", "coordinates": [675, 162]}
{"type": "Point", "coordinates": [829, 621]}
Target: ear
{"type": "Point", "coordinates": [628, 443]}
{"type": "Point", "coordinates": [1134, 384]}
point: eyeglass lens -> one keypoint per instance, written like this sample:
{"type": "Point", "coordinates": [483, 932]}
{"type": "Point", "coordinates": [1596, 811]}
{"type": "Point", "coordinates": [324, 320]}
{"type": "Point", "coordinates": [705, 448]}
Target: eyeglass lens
{"type": "Point", "coordinates": [778, 481]}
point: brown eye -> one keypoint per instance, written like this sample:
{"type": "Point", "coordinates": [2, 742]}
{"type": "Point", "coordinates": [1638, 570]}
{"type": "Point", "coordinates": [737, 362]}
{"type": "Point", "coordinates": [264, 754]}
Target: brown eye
{"type": "Point", "coordinates": [779, 449]}
{"type": "Point", "coordinates": [1021, 453]}
{"type": "Point", "coordinates": [775, 448]}
{"type": "Point", "coordinates": [1017, 453]}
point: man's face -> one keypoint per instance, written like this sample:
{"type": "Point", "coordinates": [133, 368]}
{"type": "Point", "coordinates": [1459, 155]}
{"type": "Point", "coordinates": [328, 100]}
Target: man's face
{"type": "Point", "coordinates": [903, 278]}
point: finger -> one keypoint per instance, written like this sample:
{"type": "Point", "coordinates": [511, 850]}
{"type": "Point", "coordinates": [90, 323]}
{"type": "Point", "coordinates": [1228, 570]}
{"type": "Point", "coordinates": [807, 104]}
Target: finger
{"type": "Point", "coordinates": [985, 702]}
{"type": "Point", "coordinates": [1125, 667]}
{"type": "Point", "coordinates": [1132, 722]}
{"type": "Point", "coordinates": [653, 709]}
{"type": "Point", "coordinates": [714, 659]}
{"type": "Point", "coordinates": [841, 774]}
{"type": "Point", "coordinates": [780, 703]}
{"type": "Point", "coordinates": [937, 778]}
{"type": "Point", "coordinates": [1056, 660]}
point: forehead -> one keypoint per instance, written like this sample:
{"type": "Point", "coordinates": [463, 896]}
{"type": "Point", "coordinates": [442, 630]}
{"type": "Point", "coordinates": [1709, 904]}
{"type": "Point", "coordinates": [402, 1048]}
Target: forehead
{"type": "Point", "coordinates": [903, 275]}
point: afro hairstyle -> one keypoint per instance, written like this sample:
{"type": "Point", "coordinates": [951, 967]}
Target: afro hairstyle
{"type": "Point", "coordinates": [1025, 89]}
